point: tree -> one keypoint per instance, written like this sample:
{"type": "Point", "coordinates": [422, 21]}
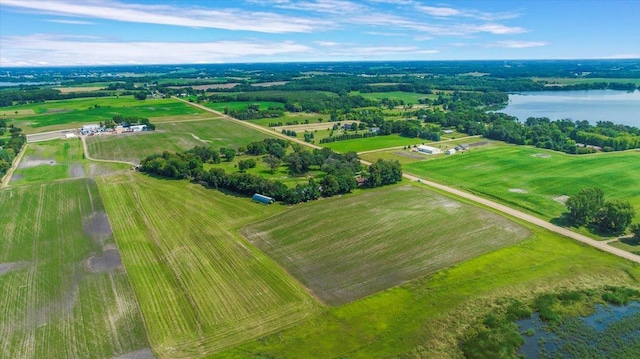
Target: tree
{"type": "Point", "coordinates": [273, 162]}
{"type": "Point", "coordinates": [246, 164]}
{"type": "Point", "coordinates": [615, 216]}
{"type": "Point", "coordinates": [140, 96]}
{"type": "Point", "coordinates": [585, 205]}
{"type": "Point", "coordinates": [228, 153]}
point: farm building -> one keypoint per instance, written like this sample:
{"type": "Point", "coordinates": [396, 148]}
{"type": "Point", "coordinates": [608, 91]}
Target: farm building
{"type": "Point", "coordinates": [87, 129]}
{"type": "Point", "coordinates": [450, 151]}
{"type": "Point", "coordinates": [262, 199]}
{"type": "Point", "coordinates": [447, 132]}
{"type": "Point", "coordinates": [462, 147]}
{"type": "Point", "coordinates": [138, 128]}
{"type": "Point", "coordinates": [429, 150]}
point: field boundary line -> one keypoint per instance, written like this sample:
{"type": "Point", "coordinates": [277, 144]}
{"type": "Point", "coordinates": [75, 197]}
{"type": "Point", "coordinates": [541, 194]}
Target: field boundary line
{"type": "Point", "coordinates": [14, 165]}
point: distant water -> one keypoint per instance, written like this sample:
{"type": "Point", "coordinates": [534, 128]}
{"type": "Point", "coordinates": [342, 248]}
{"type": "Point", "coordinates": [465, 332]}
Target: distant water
{"type": "Point", "coordinates": [7, 84]}
{"type": "Point", "coordinates": [592, 105]}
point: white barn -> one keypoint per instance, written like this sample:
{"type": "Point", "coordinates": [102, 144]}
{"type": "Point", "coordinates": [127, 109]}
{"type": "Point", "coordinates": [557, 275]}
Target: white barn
{"type": "Point", "coordinates": [429, 150]}
{"type": "Point", "coordinates": [450, 151]}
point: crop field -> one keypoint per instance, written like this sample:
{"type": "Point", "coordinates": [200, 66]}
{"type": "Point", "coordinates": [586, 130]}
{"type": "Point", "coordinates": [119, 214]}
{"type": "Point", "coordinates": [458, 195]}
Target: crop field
{"type": "Point", "coordinates": [64, 291]}
{"type": "Point", "coordinates": [424, 318]}
{"type": "Point", "coordinates": [172, 137]}
{"type": "Point", "coordinates": [200, 286]}
{"type": "Point", "coordinates": [378, 239]}
{"type": "Point", "coordinates": [536, 179]}
{"type": "Point", "coordinates": [69, 113]}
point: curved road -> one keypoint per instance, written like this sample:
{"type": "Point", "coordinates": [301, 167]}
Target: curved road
{"type": "Point", "coordinates": [603, 246]}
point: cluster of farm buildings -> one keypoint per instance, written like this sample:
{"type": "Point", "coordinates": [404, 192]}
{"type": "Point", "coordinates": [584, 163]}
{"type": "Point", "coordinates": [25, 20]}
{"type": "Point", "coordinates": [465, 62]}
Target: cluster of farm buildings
{"type": "Point", "coordinates": [90, 130]}
{"type": "Point", "coordinates": [436, 151]}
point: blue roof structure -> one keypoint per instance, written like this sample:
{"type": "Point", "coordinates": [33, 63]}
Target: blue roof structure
{"type": "Point", "coordinates": [262, 199]}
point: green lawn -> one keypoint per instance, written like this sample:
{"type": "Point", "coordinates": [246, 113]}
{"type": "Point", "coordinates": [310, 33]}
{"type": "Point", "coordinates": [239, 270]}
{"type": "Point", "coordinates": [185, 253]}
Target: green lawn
{"type": "Point", "coordinates": [61, 297]}
{"type": "Point", "coordinates": [535, 179]}
{"type": "Point", "coordinates": [398, 234]}
{"type": "Point", "coordinates": [200, 286]}
{"type": "Point", "coordinates": [49, 161]}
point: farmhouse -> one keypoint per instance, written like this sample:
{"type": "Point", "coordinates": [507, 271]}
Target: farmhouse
{"type": "Point", "coordinates": [450, 151]}
{"type": "Point", "coordinates": [262, 199]}
{"type": "Point", "coordinates": [429, 150]}
{"type": "Point", "coordinates": [138, 128]}
{"type": "Point", "coordinates": [447, 132]}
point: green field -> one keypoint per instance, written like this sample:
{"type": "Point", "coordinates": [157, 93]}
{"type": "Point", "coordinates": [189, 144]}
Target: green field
{"type": "Point", "coordinates": [201, 287]}
{"type": "Point", "coordinates": [75, 112]}
{"type": "Point", "coordinates": [372, 143]}
{"type": "Point", "coordinates": [427, 317]}
{"type": "Point", "coordinates": [535, 179]}
{"type": "Point", "coordinates": [57, 160]}
{"type": "Point", "coordinates": [64, 291]}
{"type": "Point", "coordinates": [406, 97]}
{"type": "Point", "coordinates": [398, 234]}
{"type": "Point", "coordinates": [236, 105]}
{"type": "Point", "coordinates": [172, 137]}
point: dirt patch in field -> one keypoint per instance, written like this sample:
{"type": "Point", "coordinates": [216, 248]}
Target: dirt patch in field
{"type": "Point", "coordinates": [98, 227]}
{"type": "Point", "coordinates": [32, 161]}
{"type": "Point", "coordinates": [108, 261]}
{"type": "Point", "coordinates": [541, 155]}
{"type": "Point", "coordinates": [269, 84]}
{"type": "Point", "coordinates": [57, 110]}
{"type": "Point", "coordinates": [77, 171]}
{"type": "Point", "coordinates": [20, 113]}
{"type": "Point", "coordinates": [145, 353]}
{"type": "Point", "coordinates": [561, 199]}
{"type": "Point", "coordinates": [16, 178]}
{"type": "Point", "coordinates": [11, 266]}
{"type": "Point", "coordinates": [78, 89]}
{"type": "Point", "coordinates": [518, 190]}
{"type": "Point", "coordinates": [478, 144]}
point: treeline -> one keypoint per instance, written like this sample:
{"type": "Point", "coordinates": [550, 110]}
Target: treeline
{"type": "Point", "coordinates": [25, 95]}
{"type": "Point", "coordinates": [9, 148]}
{"type": "Point", "coordinates": [340, 171]}
{"type": "Point", "coordinates": [253, 111]}
{"type": "Point", "coordinates": [564, 135]}
{"type": "Point", "coordinates": [127, 121]}
{"type": "Point", "coordinates": [588, 207]}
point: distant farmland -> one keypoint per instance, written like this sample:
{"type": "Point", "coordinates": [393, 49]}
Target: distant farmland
{"type": "Point", "coordinates": [201, 287]}
{"type": "Point", "coordinates": [64, 291]}
{"type": "Point", "coordinates": [344, 249]}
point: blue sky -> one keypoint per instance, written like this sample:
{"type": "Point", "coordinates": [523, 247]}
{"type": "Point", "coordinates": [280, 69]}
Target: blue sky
{"type": "Point", "coordinates": [108, 32]}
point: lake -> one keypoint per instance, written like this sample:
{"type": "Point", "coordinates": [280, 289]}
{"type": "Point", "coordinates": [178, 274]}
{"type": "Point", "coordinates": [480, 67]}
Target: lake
{"type": "Point", "coordinates": [592, 105]}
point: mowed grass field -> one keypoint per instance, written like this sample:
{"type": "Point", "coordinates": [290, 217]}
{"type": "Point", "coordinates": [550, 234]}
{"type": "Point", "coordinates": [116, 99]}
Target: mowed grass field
{"type": "Point", "coordinates": [172, 137]}
{"type": "Point", "coordinates": [372, 143]}
{"type": "Point", "coordinates": [535, 179]}
{"type": "Point", "coordinates": [71, 113]}
{"type": "Point", "coordinates": [64, 291]}
{"type": "Point", "coordinates": [347, 248]}
{"type": "Point", "coordinates": [201, 287]}
{"type": "Point", "coordinates": [407, 97]}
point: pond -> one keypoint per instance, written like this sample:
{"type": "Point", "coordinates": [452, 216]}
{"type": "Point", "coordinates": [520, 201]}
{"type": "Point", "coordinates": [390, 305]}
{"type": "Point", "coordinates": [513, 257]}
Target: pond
{"type": "Point", "coordinates": [610, 332]}
{"type": "Point", "coordinates": [592, 105]}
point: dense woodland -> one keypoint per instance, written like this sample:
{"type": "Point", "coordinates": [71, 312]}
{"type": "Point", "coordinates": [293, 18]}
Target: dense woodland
{"type": "Point", "coordinates": [339, 171]}
{"type": "Point", "coordinates": [9, 147]}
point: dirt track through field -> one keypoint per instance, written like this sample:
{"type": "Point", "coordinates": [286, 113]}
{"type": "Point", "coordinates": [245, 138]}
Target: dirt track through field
{"type": "Point", "coordinates": [603, 246]}
{"type": "Point", "coordinates": [16, 162]}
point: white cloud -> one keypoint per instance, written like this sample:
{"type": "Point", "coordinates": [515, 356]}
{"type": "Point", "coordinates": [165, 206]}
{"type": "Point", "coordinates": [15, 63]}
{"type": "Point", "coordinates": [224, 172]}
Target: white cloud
{"type": "Point", "coordinates": [227, 19]}
{"type": "Point", "coordinates": [438, 11]}
{"type": "Point", "coordinates": [515, 44]}
{"type": "Point", "coordinates": [62, 50]}
{"type": "Point", "coordinates": [70, 22]}
{"type": "Point", "coordinates": [322, 6]}
{"type": "Point", "coordinates": [326, 43]}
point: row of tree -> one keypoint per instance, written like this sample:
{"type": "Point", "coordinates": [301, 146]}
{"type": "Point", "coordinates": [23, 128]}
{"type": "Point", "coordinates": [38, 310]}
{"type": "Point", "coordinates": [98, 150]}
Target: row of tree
{"type": "Point", "coordinates": [9, 148]}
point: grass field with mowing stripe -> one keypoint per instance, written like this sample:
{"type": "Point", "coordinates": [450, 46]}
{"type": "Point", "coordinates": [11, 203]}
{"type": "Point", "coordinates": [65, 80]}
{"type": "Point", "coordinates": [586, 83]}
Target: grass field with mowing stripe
{"type": "Point", "coordinates": [371, 143]}
{"type": "Point", "coordinates": [534, 179]}
{"type": "Point", "coordinates": [407, 97]}
{"type": "Point", "coordinates": [64, 291]}
{"type": "Point", "coordinates": [201, 287]}
{"type": "Point", "coordinates": [378, 239]}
